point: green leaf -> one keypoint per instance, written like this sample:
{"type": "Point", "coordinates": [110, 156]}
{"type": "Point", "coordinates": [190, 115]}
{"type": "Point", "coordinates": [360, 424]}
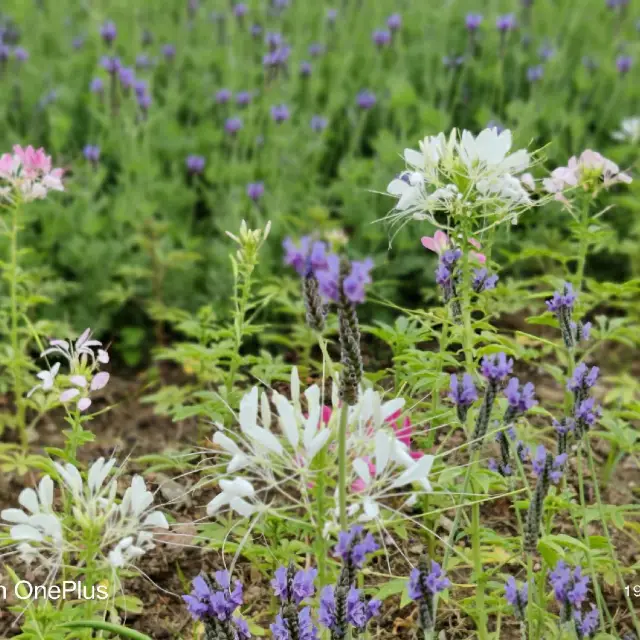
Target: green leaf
{"type": "Point", "coordinates": [107, 626]}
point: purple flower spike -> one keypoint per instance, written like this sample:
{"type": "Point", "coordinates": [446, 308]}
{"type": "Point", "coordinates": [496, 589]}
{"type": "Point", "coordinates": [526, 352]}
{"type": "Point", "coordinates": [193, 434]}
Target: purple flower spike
{"type": "Point", "coordinates": [483, 280]}
{"type": "Point", "coordinates": [243, 98]}
{"type": "Point", "coordinates": [360, 610]}
{"type": "Point", "coordinates": [496, 367]}
{"type": "Point", "coordinates": [108, 32]}
{"type": "Point", "coordinates": [20, 54]}
{"type": "Point", "coordinates": [318, 123]}
{"type": "Point", "coordinates": [195, 164]}
{"type": "Point", "coordinates": [127, 77]}
{"type": "Point", "coordinates": [354, 546]}
{"type": "Point", "coordinates": [517, 598]}
{"type": "Point", "coordinates": [366, 99]}
{"type": "Point", "coordinates": [534, 74]}
{"type": "Point", "coordinates": [110, 64]}
{"type": "Point", "coordinates": [279, 113]}
{"type": "Point", "coordinates": [558, 464]}
{"type": "Point", "coordinates": [624, 64]}
{"type": "Point", "coordinates": [506, 22]}
{"type": "Point", "coordinates": [223, 96]}
{"type": "Point", "coordinates": [255, 190]}
{"type": "Point", "coordinates": [305, 69]}
{"type": "Point", "coordinates": [520, 398]}
{"type": "Point", "coordinates": [316, 49]}
{"type": "Point", "coordinates": [240, 10]}
{"type": "Point", "coordinates": [381, 37]}
{"type": "Point", "coordinates": [169, 51]}
{"type": "Point", "coordinates": [562, 300]}
{"type": "Point", "coordinates": [301, 586]}
{"type": "Point", "coordinates": [424, 584]}
{"type": "Point", "coordinates": [91, 153]}
{"type": "Point", "coordinates": [462, 392]}
{"type": "Point", "coordinates": [473, 21]}
{"type": "Point", "coordinates": [205, 601]}
{"type": "Point", "coordinates": [96, 86]}
{"type": "Point", "coordinates": [332, 14]}
{"type": "Point", "coordinates": [583, 378]}
{"type": "Point", "coordinates": [233, 125]}
{"type": "Point", "coordinates": [394, 22]}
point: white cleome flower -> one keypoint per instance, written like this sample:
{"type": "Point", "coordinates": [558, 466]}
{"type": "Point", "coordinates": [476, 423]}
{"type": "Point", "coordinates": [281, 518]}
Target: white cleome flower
{"type": "Point", "coordinates": [44, 534]}
{"type": "Point", "coordinates": [84, 358]}
{"type": "Point", "coordinates": [629, 131]}
{"type": "Point", "coordinates": [277, 470]}
{"type": "Point", "coordinates": [462, 172]}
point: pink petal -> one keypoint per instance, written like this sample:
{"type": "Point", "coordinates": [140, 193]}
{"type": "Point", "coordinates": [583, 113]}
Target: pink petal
{"type": "Point", "coordinates": [442, 241]}
{"type": "Point", "coordinates": [326, 414]}
{"type": "Point", "coordinates": [480, 257]}
{"type": "Point", "coordinates": [69, 394]}
{"type": "Point", "coordinates": [429, 243]}
{"type": "Point", "coordinates": [84, 404]}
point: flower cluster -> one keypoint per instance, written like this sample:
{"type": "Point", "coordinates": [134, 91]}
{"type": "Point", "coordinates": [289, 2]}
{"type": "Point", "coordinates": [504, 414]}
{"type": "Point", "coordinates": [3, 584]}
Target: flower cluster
{"type": "Point", "coordinates": [29, 175]}
{"type": "Point", "coordinates": [557, 465]}
{"type": "Point", "coordinates": [214, 603]}
{"type": "Point", "coordinates": [83, 357]}
{"type": "Point", "coordinates": [591, 171]}
{"type": "Point", "coordinates": [517, 598]}
{"type": "Point", "coordinates": [462, 171]}
{"type": "Point", "coordinates": [504, 439]}
{"type": "Point", "coordinates": [495, 369]}
{"type": "Point", "coordinates": [463, 393]}
{"type": "Point", "coordinates": [311, 256]}
{"type": "Point", "coordinates": [425, 582]}
{"type": "Point", "coordinates": [448, 273]}
{"type": "Point", "coordinates": [570, 589]}
{"type": "Point", "coordinates": [520, 399]}
{"type": "Point", "coordinates": [585, 410]}
{"type": "Point", "coordinates": [293, 588]}
{"type": "Point", "coordinates": [344, 606]}
{"type": "Point", "coordinates": [126, 530]}
{"type": "Point", "coordinates": [280, 461]}
{"type": "Point", "coordinates": [562, 304]}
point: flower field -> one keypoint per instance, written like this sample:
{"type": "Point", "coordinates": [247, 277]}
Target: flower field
{"type": "Point", "coordinates": [320, 321]}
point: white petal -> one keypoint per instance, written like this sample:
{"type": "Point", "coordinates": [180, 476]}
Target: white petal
{"type": "Point", "coordinates": [371, 510]}
{"type": "Point", "coordinates": [217, 503]}
{"type": "Point", "coordinates": [83, 338]}
{"type": "Point", "coordinates": [70, 476]}
{"type": "Point", "coordinates": [361, 467]}
{"type": "Point", "coordinates": [226, 443]}
{"type": "Point", "coordinates": [287, 419]}
{"type": "Point", "coordinates": [26, 532]}
{"type": "Point", "coordinates": [248, 417]}
{"type": "Point", "coordinates": [79, 381]}
{"type": "Point", "coordinates": [414, 158]}
{"type": "Point", "coordinates": [383, 444]}
{"type": "Point", "coordinates": [241, 506]}
{"type": "Point", "coordinates": [69, 394]}
{"type": "Point", "coordinates": [266, 439]}
{"type": "Point", "coordinates": [16, 516]}
{"type": "Point", "coordinates": [418, 471]}
{"type": "Point", "coordinates": [99, 381]}
{"type": "Point", "coordinates": [238, 487]}
{"type": "Point", "coordinates": [312, 394]}
{"type": "Point", "coordinates": [389, 408]}
{"type": "Point", "coordinates": [265, 410]}
{"type": "Point", "coordinates": [295, 387]}
{"type": "Point", "coordinates": [317, 443]}
{"type": "Point", "coordinates": [28, 498]}
{"type": "Point", "coordinates": [156, 519]}
{"type": "Point", "coordinates": [45, 492]}
{"type": "Point", "coordinates": [238, 462]}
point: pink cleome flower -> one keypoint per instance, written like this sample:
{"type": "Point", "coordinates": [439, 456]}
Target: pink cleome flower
{"type": "Point", "coordinates": [29, 171]}
{"type": "Point", "coordinates": [441, 242]}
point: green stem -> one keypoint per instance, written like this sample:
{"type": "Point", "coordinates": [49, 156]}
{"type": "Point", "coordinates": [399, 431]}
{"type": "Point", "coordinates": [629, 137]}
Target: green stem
{"type": "Point", "coordinates": [583, 244]}
{"type": "Point", "coordinates": [466, 301]}
{"type": "Point", "coordinates": [476, 553]}
{"type": "Point", "coordinates": [123, 632]}
{"type": "Point", "coordinates": [444, 338]}
{"type": "Point", "coordinates": [342, 465]}
{"type": "Point", "coordinates": [16, 356]}
{"type": "Point", "coordinates": [605, 527]}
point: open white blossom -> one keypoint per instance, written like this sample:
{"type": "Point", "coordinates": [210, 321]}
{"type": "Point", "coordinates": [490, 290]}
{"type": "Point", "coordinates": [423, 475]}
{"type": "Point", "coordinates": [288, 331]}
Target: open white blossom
{"type": "Point", "coordinates": [459, 173]}
{"type": "Point", "coordinates": [273, 463]}
{"type": "Point", "coordinates": [84, 358]}
{"type": "Point", "coordinates": [629, 131]}
{"type": "Point", "coordinates": [124, 530]}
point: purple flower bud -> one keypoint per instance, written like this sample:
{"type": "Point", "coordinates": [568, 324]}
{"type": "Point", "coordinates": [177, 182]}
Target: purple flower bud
{"type": "Point", "coordinates": [111, 64]}
{"type": "Point", "coordinates": [144, 101]}
{"type": "Point", "coordinates": [243, 98]}
{"type": "Point", "coordinates": [520, 398]}
{"type": "Point", "coordinates": [506, 22]}
{"type": "Point", "coordinates": [381, 37]}
{"type": "Point", "coordinates": [316, 49]}
{"type": "Point", "coordinates": [294, 589]}
{"type": "Point", "coordinates": [366, 99]}
{"type": "Point", "coordinates": [557, 469]}
{"type": "Point", "coordinates": [462, 392]}
{"type": "Point", "coordinates": [78, 43]}
{"type": "Point", "coordinates": [255, 190]}
{"type": "Point", "coordinates": [223, 96]}
{"type": "Point", "coordinates": [169, 51]}
{"type": "Point", "coordinates": [273, 40]}
{"type": "Point", "coordinates": [624, 64]}
{"type": "Point", "coordinates": [143, 61]}
{"type": "Point", "coordinates": [482, 281]}
{"type": "Point", "coordinates": [332, 14]}
{"type": "Point", "coordinates": [517, 598]}
{"type": "Point", "coordinates": [256, 31]}
{"type": "Point", "coordinates": [318, 123]}
{"type": "Point", "coordinates": [233, 125]}
{"type": "Point", "coordinates": [140, 87]}
{"type": "Point", "coordinates": [20, 54]}
{"type": "Point", "coordinates": [394, 22]}
{"type": "Point", "coordinates": [96, 85]}
{"type": "Point", "coordinates": [496, 367]}
{"type": "Point", "coordinates": [127, 77]}
{"type": "Point", "coordinates": [422, 585]}
{"type": "Point", "coordinates": [91, 153]}
{"type": "Point", "coordinates": [562, 300]}
{"type": "Point", "coordinates": [535, 73]}
{"type": "Point", "coordinates": [279, 113]}
{"type": "Point", "coordinates": [5, 52]}
{"type": "Point", "coordinates": [240, 10]}
{"type": "Point", "coordinates": [195, 164]}
{"type": "Point", "coordinates": [305, 69]}
{"type": "Point", "coordinates": [108, 32]}
{"type": "Point", "coordinates": [473, 21]}
{"type": "Point", "coordinates": [546, 52]}
{"type": "Point", "coordinates": [354, 546]}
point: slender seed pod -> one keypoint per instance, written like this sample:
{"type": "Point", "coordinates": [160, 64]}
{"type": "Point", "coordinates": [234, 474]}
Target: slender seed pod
{"type": "Point", "coordinates": [290, 616]}
{"type": "Point", "coordinates": [315, 307]}
{"type": "Point", "coordinates": [349, 331]}
{"type": "Point", "coordinates": [341, 626]}
{"type": "Point", "coordinates": [484, 415]}
{"type": "Point", "coordinates": [505, 450]}
{"type": "Point", "coordinates": [536, 506]}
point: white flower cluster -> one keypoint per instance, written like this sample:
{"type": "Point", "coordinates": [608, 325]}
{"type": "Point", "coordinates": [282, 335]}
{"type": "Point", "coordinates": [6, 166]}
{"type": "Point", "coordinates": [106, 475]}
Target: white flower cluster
{"type": "Point", "coordinates": [124, 531]}
{"type": "Point", "coordinates": [629, 131]}
{"type": "Point", "coordinates": [460, 172]}
{"type": "Point", "coordinates": [84, 358]}
{"type": "Point", "coordinates": [276, 470]}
